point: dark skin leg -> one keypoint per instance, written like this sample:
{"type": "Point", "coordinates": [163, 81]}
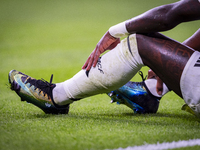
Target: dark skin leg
{"type": "Point", "coordinates": [166, 57]}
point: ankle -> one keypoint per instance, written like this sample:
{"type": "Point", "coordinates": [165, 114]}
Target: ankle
{"type": "Point", "coordinates": [60, 97]}
{"type": "Point", "coordinates": [151, 85]}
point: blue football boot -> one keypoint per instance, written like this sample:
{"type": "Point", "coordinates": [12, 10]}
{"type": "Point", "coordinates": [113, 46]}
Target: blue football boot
{"type": "Point", "coordinates": [136, 96]}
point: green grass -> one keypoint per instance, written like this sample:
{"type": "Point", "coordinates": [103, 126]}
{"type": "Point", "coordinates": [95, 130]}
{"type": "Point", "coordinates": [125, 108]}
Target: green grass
{"type": "Point", "coordinates": [42, 38]}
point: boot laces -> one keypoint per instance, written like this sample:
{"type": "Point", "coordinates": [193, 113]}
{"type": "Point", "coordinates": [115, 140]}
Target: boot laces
{"type": "Point", "coordinates": [42, 85]}
{"type": "Point", "coordinates": [142, 76]}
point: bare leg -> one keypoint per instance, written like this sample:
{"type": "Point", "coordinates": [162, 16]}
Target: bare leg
{"type": "Point", "coordinates": [166, 57]}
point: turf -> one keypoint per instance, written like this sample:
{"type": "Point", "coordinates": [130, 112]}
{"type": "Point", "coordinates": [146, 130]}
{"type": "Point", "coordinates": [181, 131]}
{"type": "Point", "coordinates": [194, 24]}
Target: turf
{"type": "Point", "coordinates": [41, 38]}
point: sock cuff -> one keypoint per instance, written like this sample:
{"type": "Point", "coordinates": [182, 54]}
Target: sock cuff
{"type": "Point", "coordinates": [151, 85]}
{"type": "Point", "coordinates": [158, 97]}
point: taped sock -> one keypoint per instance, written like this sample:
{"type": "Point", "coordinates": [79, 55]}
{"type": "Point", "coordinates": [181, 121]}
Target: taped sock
{"type": "Point", "coordinates": [151, 85]}
{"type": "Point", "coordinates": [113, 70]}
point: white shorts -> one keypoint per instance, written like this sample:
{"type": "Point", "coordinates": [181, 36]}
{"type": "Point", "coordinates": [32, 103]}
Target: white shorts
{"type": "Point", "coordinates": [190, 83]}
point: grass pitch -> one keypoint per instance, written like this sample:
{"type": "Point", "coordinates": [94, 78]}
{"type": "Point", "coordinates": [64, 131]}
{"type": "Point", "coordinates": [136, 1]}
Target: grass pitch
{"type": "Point", "coordinates": [41, 38]}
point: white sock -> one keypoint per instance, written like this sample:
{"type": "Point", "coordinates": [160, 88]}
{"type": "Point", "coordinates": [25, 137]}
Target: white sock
{"type": "Point", "coordinates": [113, 70]}
{"type": "Point", "coordinates": [151, 85]}
{"type": "Point", "coordinates": [59, 94]}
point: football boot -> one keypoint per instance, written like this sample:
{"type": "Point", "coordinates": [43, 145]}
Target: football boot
{"type": "Point", "coordinates": [37, 92]}
{"type": "Point", "coordinates": [192, 109]}
{"type": "Point", "coordinates": [136, 96]}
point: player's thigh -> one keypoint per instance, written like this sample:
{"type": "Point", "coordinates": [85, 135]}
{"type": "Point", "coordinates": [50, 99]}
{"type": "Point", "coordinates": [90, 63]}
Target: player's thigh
{"type": "Point", "coordinates": [166, 57]}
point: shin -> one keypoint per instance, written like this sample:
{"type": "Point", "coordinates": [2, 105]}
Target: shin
{"type": "Point", "coordinates": [114, 69]}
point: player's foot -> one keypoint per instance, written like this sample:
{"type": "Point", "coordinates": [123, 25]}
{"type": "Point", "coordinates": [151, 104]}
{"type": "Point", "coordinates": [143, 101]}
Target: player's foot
{"type": "Point", "coordinates": [37, 92]}
{"type": "Point", "coordinates": [136, 96]}
{"type": "Point", "coordinates": [191, 109]}
{"type": "Point", "coordinates": [186, 108]}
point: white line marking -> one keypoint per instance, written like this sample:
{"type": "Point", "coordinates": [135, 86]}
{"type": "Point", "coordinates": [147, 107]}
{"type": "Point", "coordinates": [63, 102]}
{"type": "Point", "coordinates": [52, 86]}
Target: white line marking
{"type": "Point", "coordinates": [163, 146]}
